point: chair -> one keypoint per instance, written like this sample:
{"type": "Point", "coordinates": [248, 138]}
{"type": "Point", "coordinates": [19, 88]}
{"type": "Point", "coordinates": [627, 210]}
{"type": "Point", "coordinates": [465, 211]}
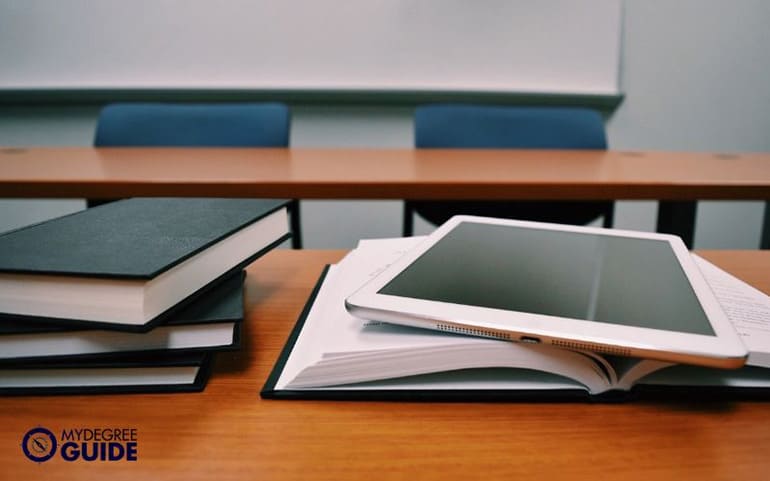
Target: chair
{"type": "Point", "coordinates": [482, 127]}
{"type": "Point", "coordinates": [197, 125]}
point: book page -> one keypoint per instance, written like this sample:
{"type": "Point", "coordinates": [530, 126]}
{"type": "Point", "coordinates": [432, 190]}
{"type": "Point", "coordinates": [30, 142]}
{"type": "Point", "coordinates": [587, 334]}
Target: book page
{"type": "Point", "coordinates": [308, 348]}
{"type": "Point", "coordinates": [748, 309]}
{"type": "Point", "coordinates": [630, 370]}
{"type": "Point", "coordinates": [338, 348]}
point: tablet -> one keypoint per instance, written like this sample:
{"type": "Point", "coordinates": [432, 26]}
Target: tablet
{"type": "Point", "coordinates": [605, 290]}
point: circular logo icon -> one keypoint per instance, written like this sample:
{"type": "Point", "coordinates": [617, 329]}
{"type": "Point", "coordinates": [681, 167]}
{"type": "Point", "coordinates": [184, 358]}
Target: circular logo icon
{"type": "Point", "coordinates": [39, 444]}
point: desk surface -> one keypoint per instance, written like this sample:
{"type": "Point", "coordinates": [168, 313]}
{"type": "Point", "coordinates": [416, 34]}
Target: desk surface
{"type": "Point", "coordinates": [381, 173]}
{"type": "Point", "coordinates": [228, 432]}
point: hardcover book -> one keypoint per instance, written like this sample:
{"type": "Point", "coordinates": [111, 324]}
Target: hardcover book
{"type": "Point", "coordinates": [211, 322]}
{"type": "Point", "coordinates": [180, 372]}
{"type": "Point", "coordinates": [332, 355]}
{"type": "Point", "coordinates": [128, 264]}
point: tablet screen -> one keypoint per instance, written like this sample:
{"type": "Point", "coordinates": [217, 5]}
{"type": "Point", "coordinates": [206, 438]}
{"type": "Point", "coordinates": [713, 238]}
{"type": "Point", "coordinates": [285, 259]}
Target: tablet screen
{"type": "Point", "coordinates": [603, 278]}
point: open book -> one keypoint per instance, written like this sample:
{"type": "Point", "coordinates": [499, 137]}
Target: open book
{"type": "Point", "coordinates": [332, 354]}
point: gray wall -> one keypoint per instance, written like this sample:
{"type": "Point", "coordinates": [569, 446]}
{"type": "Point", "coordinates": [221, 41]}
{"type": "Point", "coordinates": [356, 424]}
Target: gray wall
{"type": "Point", "coordinates": [695, 74]}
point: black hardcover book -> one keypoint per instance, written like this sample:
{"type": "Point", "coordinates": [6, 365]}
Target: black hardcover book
{"type": "Point", "coordinates": [128, 264]}
{"type": "Point", "coordinates": [211, 322]}
{"type": "Point", "coordinates": [180, 372]}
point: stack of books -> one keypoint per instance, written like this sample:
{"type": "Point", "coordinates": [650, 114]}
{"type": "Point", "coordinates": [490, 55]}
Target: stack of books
{"type": "Point", "coordinates": [131, 296]}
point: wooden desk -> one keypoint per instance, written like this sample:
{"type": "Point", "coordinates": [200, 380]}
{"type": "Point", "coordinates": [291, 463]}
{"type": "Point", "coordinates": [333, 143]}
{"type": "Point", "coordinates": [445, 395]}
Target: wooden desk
{"type": "Point", "coordinates": [228, 432]}
{"type": "Point", "coordinates": [676, 178]}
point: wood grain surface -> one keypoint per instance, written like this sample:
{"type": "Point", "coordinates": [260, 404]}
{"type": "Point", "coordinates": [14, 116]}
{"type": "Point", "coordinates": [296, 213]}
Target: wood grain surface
{"type": "Point", "coordinates": [227, 432]}
{"type": "Point", "coordinates": [381, 173]}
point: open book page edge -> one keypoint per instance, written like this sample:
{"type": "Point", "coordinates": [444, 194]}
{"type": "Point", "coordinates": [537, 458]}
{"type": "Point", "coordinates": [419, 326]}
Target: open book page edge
{"type": "Point", "coordinates": [555, 361]}
{"type": "Point", "coordinates": [490, 380]}
{"type": "Point", "coordinates": [308, 352]}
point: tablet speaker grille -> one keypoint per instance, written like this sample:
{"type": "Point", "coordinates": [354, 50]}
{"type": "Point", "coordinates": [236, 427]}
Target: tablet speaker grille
{"type": "Point", "coordinates": [589, 346]}
{"type": "Point", "coordinates": [474, 331]}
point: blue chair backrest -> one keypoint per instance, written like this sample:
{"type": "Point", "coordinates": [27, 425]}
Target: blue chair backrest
{"type": "Point", "coordinates": [193, 125]}
{"type": "Point", "coordinates": [479, 126]}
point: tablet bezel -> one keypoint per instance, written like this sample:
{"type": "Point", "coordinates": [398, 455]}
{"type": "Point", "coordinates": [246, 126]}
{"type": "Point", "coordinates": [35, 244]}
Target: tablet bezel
{"type": "Point", "coordinates": [723, 349]}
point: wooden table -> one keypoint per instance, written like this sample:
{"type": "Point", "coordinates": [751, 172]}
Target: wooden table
{"type": "Point", "coordinates": [677, 179]}
{"type": "Point", "coordinates": [227, 432]}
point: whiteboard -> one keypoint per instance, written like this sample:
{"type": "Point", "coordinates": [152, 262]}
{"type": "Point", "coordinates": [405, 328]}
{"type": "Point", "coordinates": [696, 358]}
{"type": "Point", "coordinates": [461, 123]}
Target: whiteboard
{"type": "Point", "coordinates": [537, 46]}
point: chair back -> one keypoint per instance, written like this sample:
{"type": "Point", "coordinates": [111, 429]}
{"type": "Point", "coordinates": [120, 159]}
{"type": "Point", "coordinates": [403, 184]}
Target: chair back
{"type": "Point", "coordinates": [193, 125]}
{"type": "Point", "coordinates": [479, 127]}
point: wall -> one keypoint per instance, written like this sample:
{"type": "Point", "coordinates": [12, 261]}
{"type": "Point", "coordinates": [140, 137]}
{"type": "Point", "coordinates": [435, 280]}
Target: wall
{"type": "Point", "coordinates": [695, 77]}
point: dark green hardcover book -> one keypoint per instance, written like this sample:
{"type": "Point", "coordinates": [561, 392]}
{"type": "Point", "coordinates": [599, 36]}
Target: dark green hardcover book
{"type": "Point", "coordinates": [212, 322]}
{"type": "Point", "coordinates": [130, 264]}
{"type": "Point", "coordinates": [166, 372]}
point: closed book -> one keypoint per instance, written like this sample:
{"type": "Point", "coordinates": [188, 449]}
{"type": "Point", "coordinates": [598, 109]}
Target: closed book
{"type": "Point", "coordinates": [330, 354]}
{"type": "Point", "coordinates": [211, 322]}
{"type": "Point", "coordinates": [180, 372]}
{"type": "Point", "coordinates": [128, 264]}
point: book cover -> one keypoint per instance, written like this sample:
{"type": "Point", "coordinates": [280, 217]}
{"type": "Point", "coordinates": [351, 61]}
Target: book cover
{"type": "Point", "coordinates": [131, 238]}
